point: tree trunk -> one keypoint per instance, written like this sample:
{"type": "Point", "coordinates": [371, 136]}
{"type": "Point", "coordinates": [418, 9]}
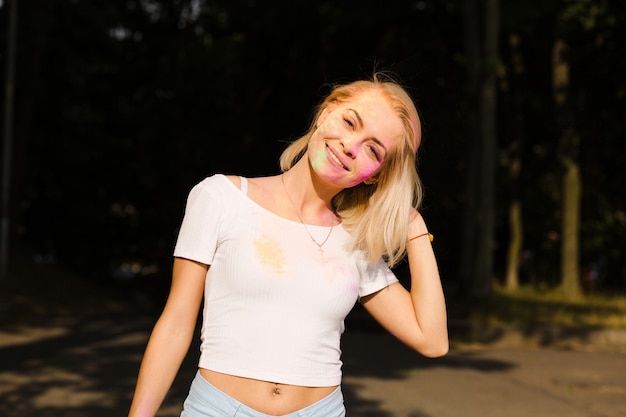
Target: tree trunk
{"type": "Point", "coordinates": [570, 270]}
{"type": "Point", "coordinates": [515, 245]}
{"type": "Point", "coordinates": [470, 222]}
{"type": "Point", "coordinates": [483, 267]}
{"type": "Point", "coordinates": [516, 139]}
{"type": "Point", "coordinates": [572, 184]}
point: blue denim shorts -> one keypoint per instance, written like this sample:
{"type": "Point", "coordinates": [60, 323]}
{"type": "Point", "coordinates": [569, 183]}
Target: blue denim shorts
{"type": "Point", "coordinates": [205, 400]}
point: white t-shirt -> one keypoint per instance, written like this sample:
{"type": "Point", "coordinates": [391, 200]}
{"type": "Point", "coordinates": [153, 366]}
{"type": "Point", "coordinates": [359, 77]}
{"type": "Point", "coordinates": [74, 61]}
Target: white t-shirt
{"type": "Point", "coordinates": [274, 305]}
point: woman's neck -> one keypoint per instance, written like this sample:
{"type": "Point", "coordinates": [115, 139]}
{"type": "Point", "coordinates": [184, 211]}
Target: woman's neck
{"type": "Point", "coordinates": [311, 199]}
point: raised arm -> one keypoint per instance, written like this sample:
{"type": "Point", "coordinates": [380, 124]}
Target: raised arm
{"type": "Point", "coordinates": [170, 338]}
{"type": "Point", "coordinates": [417, 318]}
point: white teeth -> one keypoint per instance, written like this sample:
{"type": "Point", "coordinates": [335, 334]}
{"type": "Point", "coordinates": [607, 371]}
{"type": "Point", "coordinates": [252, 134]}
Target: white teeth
{"type": "Point", "coordinates": [332, 155]}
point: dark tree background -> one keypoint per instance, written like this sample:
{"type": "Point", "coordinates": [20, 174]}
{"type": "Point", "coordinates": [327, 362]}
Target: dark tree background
{"type": "Point", "coordinates": [121, 107]}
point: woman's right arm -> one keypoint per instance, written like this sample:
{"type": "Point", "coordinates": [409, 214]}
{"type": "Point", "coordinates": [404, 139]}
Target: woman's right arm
{"type": "Point", "coordinates": [170, 339]}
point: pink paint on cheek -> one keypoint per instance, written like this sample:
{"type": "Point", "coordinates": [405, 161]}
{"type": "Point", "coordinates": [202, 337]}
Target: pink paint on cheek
{"type": "Point", "coordinates": [368, 171]}
{"type": "Point", "coordinates": [363, 178]}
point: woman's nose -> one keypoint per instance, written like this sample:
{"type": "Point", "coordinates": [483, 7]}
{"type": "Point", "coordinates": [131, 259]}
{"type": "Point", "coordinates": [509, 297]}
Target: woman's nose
{"type": "Point", "coordinates": [349, 146]}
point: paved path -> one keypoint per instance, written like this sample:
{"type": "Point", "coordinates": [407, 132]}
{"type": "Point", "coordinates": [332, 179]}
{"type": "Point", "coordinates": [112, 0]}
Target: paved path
{"type": "Point", "coordinates": [73, 368]}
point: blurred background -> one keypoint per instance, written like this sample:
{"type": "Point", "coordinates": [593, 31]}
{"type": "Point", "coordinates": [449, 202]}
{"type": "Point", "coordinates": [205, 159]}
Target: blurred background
{"type": "Point", "coordinates": [112, 111]}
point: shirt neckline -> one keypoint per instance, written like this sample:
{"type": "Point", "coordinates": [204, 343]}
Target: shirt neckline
{"type": "Point", "coordinates": [266, 210]}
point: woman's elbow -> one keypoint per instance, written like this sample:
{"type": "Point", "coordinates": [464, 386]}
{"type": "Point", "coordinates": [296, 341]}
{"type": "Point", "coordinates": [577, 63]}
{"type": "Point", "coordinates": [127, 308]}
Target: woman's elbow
{"type": "Point", "coordinates": [436, 351]}
{"type": "Point", "coordinates": [432, 348]}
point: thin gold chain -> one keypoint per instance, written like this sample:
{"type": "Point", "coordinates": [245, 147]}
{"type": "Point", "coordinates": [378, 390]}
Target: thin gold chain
{"type": "Point", "coordinates": [319, 245]}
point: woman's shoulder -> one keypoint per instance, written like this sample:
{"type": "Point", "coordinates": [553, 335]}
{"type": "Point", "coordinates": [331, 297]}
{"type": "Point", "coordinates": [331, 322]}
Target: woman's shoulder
{"type": "Point", "coordinates": [264, 192]}
{"type": "Point", "coordinates": [256, 185]}
{"type": "Point", "coordinates": [217, 181]}
{"type": "Point", "coordinates": [215, 186]}
{"type": "Point", "coordinates": [234, 179]}
{"type": "Point", "coordinates": [260, 190]}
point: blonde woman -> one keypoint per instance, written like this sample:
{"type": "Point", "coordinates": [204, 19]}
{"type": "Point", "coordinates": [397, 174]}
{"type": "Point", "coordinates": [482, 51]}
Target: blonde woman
{"type": "Point", "coordinates": [280, 261]}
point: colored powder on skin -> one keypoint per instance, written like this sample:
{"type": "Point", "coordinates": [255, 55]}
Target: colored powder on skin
{"type": "Point", "coordinates": [318, 159]}
{"type": "Point", "coordinates": [363, 178]}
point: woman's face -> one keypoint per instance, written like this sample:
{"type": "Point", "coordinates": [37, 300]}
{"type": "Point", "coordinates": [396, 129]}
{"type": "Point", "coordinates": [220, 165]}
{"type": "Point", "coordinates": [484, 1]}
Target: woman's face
{"type": "Point", "coordinates": [354, 139]}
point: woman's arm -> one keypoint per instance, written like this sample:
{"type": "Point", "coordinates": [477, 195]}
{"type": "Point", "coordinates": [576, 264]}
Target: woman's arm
{"type": "Point", "coordinates": [170, 339]}
{"type": "Point", "coordinates": [418, 318]}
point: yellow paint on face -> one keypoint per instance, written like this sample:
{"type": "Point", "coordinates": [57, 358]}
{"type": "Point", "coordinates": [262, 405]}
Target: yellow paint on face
{"type": "Point", "coordinates": [269, 254]}
{"type": "Point", "coordinates": [318, 158]}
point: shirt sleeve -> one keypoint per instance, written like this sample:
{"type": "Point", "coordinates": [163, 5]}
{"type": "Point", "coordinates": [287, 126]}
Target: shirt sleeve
{"type": "Point", "coordinates": [199, 231]}
{"type": "Point", "coordinates": [374, 277]}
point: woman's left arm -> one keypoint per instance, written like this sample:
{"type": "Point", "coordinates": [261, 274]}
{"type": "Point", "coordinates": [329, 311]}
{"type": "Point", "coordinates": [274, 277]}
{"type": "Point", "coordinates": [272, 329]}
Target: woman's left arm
{"type": "Point", "coordinates": [416, 317]}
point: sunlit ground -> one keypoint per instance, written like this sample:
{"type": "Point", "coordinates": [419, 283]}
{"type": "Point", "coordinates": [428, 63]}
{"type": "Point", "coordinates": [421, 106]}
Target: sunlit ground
{"type": "Point", "coordinates": [528, 306]}
{"type": "Point", "coordinates": [87, 368]}
{"type": "Point", "coordinates": [71, 349]}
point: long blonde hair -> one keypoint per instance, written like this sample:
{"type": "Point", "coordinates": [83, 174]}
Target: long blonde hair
{"type": "Point", "coordinates": [376, 215]}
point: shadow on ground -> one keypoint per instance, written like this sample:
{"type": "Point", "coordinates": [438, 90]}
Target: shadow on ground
{"type": "Point", "coordinates": [75, 366]}
{"type": "Point", "coordinates": [370, 353]}
{"type": "Point", "coordinates": [69, 348]}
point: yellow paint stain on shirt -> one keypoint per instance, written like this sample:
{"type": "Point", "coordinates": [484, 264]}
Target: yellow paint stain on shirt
{"type": "Point", "coordinates": [269, 254]}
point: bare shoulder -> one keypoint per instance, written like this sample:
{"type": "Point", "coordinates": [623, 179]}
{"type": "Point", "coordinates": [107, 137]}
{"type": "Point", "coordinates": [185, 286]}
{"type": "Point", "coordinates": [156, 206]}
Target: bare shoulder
{"type": "Point", "coordinates": [262, 184]}
{"type": "Point", "coordinates": [257, 182]}
{"type": "Point", "coordinates": [236, 180]}
{"type": "Point", "coordinates": [265, 191]}
{"type": "Point", "coordinates": [258, 187]}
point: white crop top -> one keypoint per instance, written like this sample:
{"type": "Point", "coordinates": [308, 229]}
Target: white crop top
{"type": "Point", "coordinates": [274, 306]}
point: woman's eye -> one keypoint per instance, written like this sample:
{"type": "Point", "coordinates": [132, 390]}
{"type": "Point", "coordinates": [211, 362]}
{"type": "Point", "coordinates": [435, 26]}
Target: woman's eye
{"type": "Point", "coordinates": [349, 122]}
{"type": "Point", "coordinates": [374, 152]}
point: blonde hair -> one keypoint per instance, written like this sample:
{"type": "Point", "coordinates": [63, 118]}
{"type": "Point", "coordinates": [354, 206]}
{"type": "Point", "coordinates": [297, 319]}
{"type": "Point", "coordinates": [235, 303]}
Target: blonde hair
{"type": "Point", "coordinates": [376, 215]}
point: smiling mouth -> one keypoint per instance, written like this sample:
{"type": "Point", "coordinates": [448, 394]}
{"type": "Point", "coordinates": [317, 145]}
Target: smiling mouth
{"type": "Point", "coordinates": [334, 157]}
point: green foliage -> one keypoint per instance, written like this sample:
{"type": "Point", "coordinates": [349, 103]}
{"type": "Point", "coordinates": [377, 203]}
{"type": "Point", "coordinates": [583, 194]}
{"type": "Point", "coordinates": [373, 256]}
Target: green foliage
{"type": "Point", "coordinates": [529, 307]}
{"type": "Point", "coordinates": [123, 106]}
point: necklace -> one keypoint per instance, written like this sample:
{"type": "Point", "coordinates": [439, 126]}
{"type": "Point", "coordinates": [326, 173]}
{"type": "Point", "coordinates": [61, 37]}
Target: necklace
{"type": "Point", "coordinates": [319, 245]}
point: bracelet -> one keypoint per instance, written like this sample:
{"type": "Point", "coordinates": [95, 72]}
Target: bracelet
{"type": "Point", "coordinates": [430, 236]}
